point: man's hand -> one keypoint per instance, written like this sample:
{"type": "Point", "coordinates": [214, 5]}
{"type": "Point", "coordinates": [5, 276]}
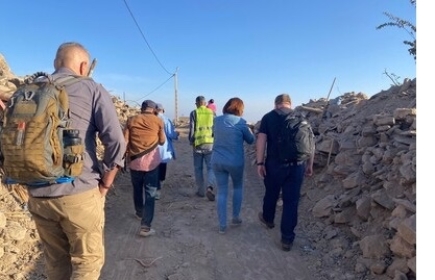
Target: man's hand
{"type": "Point", "coordinates": [261, 170]}
{"type": "Point", "coordinates": [103, 190]}
{"type": "Point", "coordinates": [309, 170]}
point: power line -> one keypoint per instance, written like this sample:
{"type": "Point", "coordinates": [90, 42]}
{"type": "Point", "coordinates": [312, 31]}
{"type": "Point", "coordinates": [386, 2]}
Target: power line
{"type": "Point", "coordinates": [154, 89]}
{"type": "Point", "coordinates": [146, 41]}
{"type": "Point", "coordinates": [155, 56]}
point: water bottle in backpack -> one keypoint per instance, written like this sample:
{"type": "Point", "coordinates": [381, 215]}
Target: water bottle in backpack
{"type": "Point", "coordinates": [73, 152]}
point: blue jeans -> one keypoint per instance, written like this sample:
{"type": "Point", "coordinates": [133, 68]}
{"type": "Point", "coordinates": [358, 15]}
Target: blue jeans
{"type": "Point", "coordinates": [288, 179]}
{"type": "Point", "coordinates": [222, 173]}
{"type": "Point", "coordinates": [198, 163]}
{"type": "Point", "coordinates": [144, 180]}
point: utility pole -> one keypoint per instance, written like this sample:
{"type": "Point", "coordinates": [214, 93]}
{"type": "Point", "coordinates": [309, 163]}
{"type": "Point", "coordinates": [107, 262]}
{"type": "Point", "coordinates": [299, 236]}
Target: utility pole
{"type": "Point", "coordinates": [176, 96]}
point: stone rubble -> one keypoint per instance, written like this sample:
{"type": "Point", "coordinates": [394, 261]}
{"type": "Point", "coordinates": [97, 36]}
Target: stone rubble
{"type": "Point", "coordinates": [365, 181]}
{"type": "Point", "coordinates": [363, 194]}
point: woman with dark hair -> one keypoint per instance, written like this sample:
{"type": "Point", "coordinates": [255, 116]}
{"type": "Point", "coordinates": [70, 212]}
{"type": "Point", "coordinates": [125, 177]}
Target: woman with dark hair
{"type": "Point", "coordinates": [228, 158]}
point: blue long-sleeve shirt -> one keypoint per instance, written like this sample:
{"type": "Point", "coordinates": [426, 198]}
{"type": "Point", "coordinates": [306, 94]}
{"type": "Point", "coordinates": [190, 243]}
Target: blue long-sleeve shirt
{"type": "Point", "coordinates": [230, 132]}
{"type": "Point", "coordinates": [167, 150]}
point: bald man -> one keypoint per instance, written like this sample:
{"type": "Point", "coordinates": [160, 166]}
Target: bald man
{"type": "Point", "coordinates": [69, 217]}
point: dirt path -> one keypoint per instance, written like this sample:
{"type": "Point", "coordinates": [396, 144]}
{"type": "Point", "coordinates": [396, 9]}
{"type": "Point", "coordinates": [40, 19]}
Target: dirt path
{"type": "Point", "coordinates": [187, 244]}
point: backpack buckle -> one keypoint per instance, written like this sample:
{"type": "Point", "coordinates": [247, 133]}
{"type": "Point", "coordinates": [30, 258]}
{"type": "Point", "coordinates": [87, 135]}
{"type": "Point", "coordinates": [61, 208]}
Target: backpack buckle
{"type": "Point", "coordinates": [73, 158]}
{"type": "Point", "coordinates": [28, 95]}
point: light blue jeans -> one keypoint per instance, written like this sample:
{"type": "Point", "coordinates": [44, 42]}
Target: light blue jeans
{"type": "Point", "coordinates": [198, 163]}
{"type": "Point", "coordinates": [222, 173]}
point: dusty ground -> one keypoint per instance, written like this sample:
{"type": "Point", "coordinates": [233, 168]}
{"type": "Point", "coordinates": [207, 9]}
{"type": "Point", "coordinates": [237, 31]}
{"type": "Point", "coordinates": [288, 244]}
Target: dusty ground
{"type": "Point", "coordinates": [187, 244]}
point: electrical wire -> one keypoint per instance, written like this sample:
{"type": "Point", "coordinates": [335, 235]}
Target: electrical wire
{"type": "Point", "coordinates": [154, 89]}
{"type": "Point", "coordinates": [146, 41]}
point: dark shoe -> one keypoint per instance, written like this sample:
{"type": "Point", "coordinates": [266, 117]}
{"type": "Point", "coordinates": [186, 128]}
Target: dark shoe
{"type": "Point", "coordinates": [236, 222]}
{"type": "Point", "coordinates": [222, 230]}
{"type": "Point", "coordinates": [286, 246]}
{"type": "Point", "coordinates": [210, 194]}
{"type": "Point", "coordinates": [268, 225]}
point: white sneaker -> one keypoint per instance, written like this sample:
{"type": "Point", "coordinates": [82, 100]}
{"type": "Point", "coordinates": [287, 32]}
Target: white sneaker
{"type": "Point", "coordinates": [146, 232]}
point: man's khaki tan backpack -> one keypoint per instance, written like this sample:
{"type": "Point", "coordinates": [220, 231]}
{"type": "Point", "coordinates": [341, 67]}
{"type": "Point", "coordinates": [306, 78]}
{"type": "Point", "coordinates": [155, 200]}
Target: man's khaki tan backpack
{"type": "Point", "coordinates": [37, 145]}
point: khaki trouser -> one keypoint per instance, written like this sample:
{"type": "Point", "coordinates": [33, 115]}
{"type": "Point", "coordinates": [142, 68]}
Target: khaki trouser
{"type": "Point", "coordinates": [71, 229]}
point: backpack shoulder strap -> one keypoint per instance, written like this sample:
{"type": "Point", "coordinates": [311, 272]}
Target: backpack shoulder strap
{"type": "Point", "coordinates": [284, 115]}
{"type": "Point", "coordinates": [69, 80]}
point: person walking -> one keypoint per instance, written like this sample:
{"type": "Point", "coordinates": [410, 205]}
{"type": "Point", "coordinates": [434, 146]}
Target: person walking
{"type": "Point", "coordinates": [70, 216]}
{"type": "Point", "coordinates": [211, 105]}
{"type": "Point", "coordinates": [167, 150]}
{"type": "Point", "coordinates": [201, 139]}
{"type": "Point", "coordinates": [143, 134]}
{"type": "Point", "coordinates": [280, 176]}
{"type": "Point", "coordinates": [228, 158]}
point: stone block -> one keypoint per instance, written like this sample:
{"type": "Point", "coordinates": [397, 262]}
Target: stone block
{"type": "Point", "coordinates": [408, 230]}
{"type": "Point", "coordinates": [402, 248]}
{"type": "Point", "coordinates": [363, 206]}
{"type": "Point", "coordinates": [374, 246]}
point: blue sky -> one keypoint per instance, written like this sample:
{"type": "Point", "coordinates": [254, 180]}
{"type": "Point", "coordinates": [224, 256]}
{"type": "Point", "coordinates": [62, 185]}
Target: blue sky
{"type": "Point", "coordinates": [253, 49]}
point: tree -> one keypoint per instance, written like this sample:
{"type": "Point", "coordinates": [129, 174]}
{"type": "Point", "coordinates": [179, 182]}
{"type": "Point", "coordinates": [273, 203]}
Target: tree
{"type": "Point", "coordinates": [409, 27]}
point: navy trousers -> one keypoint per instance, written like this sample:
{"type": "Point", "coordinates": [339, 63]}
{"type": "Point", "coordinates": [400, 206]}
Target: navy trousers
{"type": "Point", "coordinates": [287, 178]}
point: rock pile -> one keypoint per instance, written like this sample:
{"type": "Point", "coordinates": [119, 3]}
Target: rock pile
{"type": "Point", "coordinates": [365, 183]}
{"type": "Point", "coordinates": [363, 196]}
{"type": "Point", "coordinates": [8, 81]}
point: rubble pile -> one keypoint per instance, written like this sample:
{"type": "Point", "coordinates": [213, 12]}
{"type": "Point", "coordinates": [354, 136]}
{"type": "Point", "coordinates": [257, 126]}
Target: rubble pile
{"type": "Point", "coordinates": [362, 196]}
{"type": "Point", "coordinates": [365, 182]}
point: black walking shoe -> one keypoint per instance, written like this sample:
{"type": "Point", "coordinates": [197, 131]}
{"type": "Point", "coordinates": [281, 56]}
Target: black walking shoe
{"type": "Point", "coordinates": [286, 246]}
{"type": "Point", "coordinates": [263, 221]}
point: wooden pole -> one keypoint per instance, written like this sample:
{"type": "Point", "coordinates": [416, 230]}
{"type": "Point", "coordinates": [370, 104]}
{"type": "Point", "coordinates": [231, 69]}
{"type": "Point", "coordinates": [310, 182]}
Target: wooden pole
{"type": "Point", "coordinates": [330, 90]}
{"type": "Point", "coordinates": [327, 99]}
{"type": "Point", "coordinates": [176, 95]}
{"type": "Point", "coordinates": [330, 151]}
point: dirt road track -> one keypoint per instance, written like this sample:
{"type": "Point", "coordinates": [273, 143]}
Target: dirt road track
{"type": "Point", "coordinates": [187, 244]}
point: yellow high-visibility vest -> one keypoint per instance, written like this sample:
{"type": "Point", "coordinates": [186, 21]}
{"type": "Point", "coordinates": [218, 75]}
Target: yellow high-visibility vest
{"type": "Point", "coordinates": [204, 125]}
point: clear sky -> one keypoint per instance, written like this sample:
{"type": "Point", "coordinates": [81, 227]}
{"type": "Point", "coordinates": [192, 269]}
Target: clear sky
{"type": "Point", "coordinates": [250, 49]}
